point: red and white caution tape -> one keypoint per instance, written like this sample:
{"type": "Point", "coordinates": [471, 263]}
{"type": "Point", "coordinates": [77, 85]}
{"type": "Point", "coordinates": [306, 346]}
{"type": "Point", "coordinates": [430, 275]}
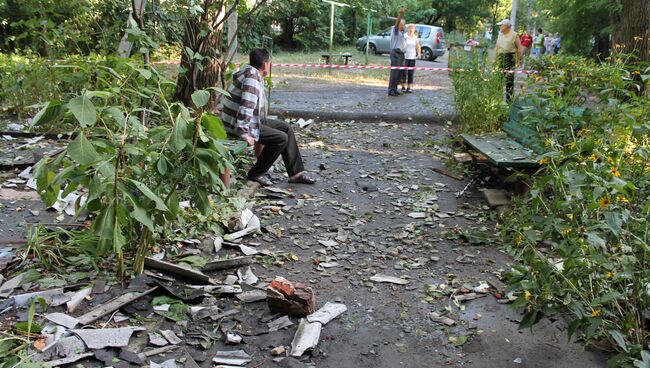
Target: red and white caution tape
{"type": "Point", "coordinates": [382, 67]}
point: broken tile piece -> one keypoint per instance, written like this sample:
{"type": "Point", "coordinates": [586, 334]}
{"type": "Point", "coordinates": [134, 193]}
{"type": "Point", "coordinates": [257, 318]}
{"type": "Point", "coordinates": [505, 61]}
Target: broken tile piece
{"type": "Point", "coordinates": [157, 340]}
{"type": "Point", "coordinates": [77, 298]}
{"type": "Point", "coordinates": [327, 313]}
{"type": "Point", "coordinates": [170, 363]}
{"type": "Point", "coordinates": [235, 357]}
{"type": "Point", "coordinates": [62, 319]}
{"type": "Point", "coordinates": [306, 337]}
{"type": "Point", "coordinates": [246, 275]}
{"type": "Point", "coordinates": [252, 296]}
{"type": "Point", "coordinates": [101, 338]}
{"type": "Point", "coordinates": [279, 323]}
{"type": "Point", "coordinates": [170, 336]}
{"type": "Point", "coordinates": [389, 279]}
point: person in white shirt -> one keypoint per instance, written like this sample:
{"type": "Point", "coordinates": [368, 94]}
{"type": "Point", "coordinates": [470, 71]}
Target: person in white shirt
{"type": "Point", "coordinates": [413, 51]}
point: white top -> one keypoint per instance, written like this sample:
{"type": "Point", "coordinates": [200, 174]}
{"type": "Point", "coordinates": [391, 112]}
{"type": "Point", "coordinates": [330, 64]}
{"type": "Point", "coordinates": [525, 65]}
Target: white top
{"type": "Point", "coordinates": [506, 44]}
{"type": "Point", "coordinates": [411, 49]}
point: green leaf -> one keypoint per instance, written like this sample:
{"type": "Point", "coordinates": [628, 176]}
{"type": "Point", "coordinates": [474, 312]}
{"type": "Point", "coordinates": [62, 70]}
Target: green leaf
{"type": "Point", "coordinates": [214, 126]}
{"type": "Point", "coordinates": [614, 221]}
{"type": "Point", "coordinates": [84, 110]}
{"type": "Point", "coordinates": [28, 327]}
{"type": "Point", "coordinates": [201, 200]}
{"type": "Point", "coordinates": [177, 312]}
{"type": "Point", "coordinates": [104, 224]}
{"type": "Point", "coordinates": [595, 240]}
{"type": "Point", "coordinates": [196, 261]}
{"type": "Point", "coordinates": [161, 165]}
{"type": "Point", "coordinates": [52, 111]}
{"type": "Point", "coordinates": [145, 73]}
{"type": "Point", "coordinates": [618, 337]}
{"type": "Point", "coordinates": [149, 194]}
{"type": "Point", "coordinates": [82, 151]}
{"type": "Point", "coordinates": [141, 215]}
{"type": "Point", "coordinates": [200, 98]}
{"type": "Point", "coordinates": [529, 320]}
{"type": "Point", "coordinates": [177, 141]}
{"type": "Point", "coordinates": [164, 299]}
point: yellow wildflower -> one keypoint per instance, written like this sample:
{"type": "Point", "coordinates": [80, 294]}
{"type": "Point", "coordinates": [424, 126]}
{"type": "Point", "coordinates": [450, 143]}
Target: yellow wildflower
{"type": "Point", "coordinates": [527, 295]}
{"type": "Point", "coordinates": [570, 145]}
{"type": "Point", "coordinates": [519, 239]}
{"type": "Point", "coordinates": [570, 216]}
{"type": "Point", "coordinates": [595, 313]}
{"type": "Point", "coordinates": [604, 201]}
{"type": "Point", "coordinates": [622, 199]}
{"type": "Point", "coordinates": [615, 171]}
{"type": "Point", "coordinates": [610, 275]}
{"type": "Point", "coordinates": [543, 161]}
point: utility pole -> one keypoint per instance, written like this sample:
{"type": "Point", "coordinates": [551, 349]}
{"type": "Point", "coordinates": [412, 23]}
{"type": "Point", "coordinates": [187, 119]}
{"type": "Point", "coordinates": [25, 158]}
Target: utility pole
{"type": "Point", "coordinates": [513, 15]}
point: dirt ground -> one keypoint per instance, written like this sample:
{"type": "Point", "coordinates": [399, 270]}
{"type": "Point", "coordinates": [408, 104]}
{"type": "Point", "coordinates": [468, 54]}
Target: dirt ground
{"type": "Point", "coordinates": [378, 208]}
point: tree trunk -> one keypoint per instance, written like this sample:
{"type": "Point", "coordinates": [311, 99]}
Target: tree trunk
{"type": "Point", "coordinates": [352, 32]}
{"type": "Point", "coordinates": [631, 31]}
{"type": "Point", "coordinates": [204, 65]}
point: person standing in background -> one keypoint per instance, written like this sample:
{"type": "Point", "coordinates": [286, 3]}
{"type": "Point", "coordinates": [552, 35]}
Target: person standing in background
{"type": "Point", "coordinates": [558, 43]}
{"type": "Point", "coordinates": [397, 47]}
{"type": "Point", "coordinates": [508, 50]}
{"type": "Point", "coordinates": [526, 43]}
{"type": "Point", "coordinates": [549, 42]}
{"type": "Point", "coordinates": [413, 51]}
{"type": "Point", "coordinates": [538, 44]}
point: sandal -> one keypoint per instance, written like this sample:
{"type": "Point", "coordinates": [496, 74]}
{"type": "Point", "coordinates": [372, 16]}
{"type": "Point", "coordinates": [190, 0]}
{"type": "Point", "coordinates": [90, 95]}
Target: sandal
{"type": "Point", "coordinates": [264, 180]}
{"type": "Point", "coordinates": [302, 179]}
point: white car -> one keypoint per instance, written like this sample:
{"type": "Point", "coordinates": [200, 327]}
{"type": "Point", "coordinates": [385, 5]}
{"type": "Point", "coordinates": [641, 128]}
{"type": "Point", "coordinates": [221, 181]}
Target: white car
{"type": "Point", "coordinates": [431, 41]}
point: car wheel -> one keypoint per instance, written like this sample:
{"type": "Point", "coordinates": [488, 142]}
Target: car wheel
{"type": "Point", "coordinates": [373, 49]}
{"type": "Point", "coordinates": [427, 54]}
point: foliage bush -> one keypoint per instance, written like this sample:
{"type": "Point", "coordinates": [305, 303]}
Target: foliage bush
{"type": "Point", "coordinates": [137, 155]}
{"type": "Point", "coordinates": [31, 80]}
{"type": "Point", "coordinates": [581, 234]}
{"type": "Point", "coordinates": [478, 91]}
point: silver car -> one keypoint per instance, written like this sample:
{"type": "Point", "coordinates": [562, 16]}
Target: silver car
{"type": "Point", "coordinates": [431, 41]}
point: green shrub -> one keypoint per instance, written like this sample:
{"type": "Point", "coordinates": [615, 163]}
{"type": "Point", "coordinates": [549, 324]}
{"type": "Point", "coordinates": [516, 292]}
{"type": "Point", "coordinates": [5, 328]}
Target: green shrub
{"type": "Point", "coordinates": [581, 234]}
{"type": "Point", "coordinates": [478, 92]}
{"type": "Point", "coordinates": [27, 80]}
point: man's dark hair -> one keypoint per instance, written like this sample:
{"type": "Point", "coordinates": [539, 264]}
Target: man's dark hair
{"type": "Point", "coordinates": [258, 57]}
{"type": "Point", "coordinates": [539, 30]}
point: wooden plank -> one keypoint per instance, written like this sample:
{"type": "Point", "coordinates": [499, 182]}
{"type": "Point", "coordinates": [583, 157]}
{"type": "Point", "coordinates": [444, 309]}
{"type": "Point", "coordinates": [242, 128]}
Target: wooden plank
{"type": "Point", "coordinates": [502, 151]}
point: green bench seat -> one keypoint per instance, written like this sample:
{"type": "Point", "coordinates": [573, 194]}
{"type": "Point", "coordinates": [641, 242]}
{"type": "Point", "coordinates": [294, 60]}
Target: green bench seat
{"type": "Point", "coordinates": [516, 145]}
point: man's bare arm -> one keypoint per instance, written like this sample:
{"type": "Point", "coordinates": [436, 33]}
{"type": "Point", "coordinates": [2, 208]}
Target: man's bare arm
{"type": "Point", "coordinates": [399, 17]}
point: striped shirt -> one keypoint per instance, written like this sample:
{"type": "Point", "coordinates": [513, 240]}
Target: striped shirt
{"type": "Point", "coordinates": [242, 111]}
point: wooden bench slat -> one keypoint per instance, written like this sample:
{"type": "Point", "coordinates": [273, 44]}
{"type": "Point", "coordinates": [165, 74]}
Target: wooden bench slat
{"type": "Point", "coordinates": [502, 150]}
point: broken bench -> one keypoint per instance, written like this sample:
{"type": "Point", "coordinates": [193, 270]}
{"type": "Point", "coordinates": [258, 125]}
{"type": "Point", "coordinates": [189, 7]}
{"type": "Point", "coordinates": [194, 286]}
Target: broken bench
{"type": "Point", "coordinates": [515, 146]}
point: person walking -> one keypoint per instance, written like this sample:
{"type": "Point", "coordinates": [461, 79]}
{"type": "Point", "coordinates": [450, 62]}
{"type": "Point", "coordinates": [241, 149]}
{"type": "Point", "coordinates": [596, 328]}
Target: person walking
{"type": "Point", "coordinates": [508, 50]}
{"type": "Point", "coordinates": [538, 44]}
{"type": "Point", "coordinates": [397, 47]}
{"type": "Point", "coordinates": [412, 52]}
{"type": "Point", "coordinates": [244, 117]}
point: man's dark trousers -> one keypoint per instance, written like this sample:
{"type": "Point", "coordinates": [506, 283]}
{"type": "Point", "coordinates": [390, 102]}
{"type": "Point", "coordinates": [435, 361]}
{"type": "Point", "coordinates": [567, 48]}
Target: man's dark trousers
{"type": "Point", "coordinates": [278, 139]}
{"type": "Point", "coordinates": [396, 59]}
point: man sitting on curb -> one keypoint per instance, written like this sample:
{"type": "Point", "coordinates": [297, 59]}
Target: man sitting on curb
{"type": "Point", "coordinates": [244, 117]}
